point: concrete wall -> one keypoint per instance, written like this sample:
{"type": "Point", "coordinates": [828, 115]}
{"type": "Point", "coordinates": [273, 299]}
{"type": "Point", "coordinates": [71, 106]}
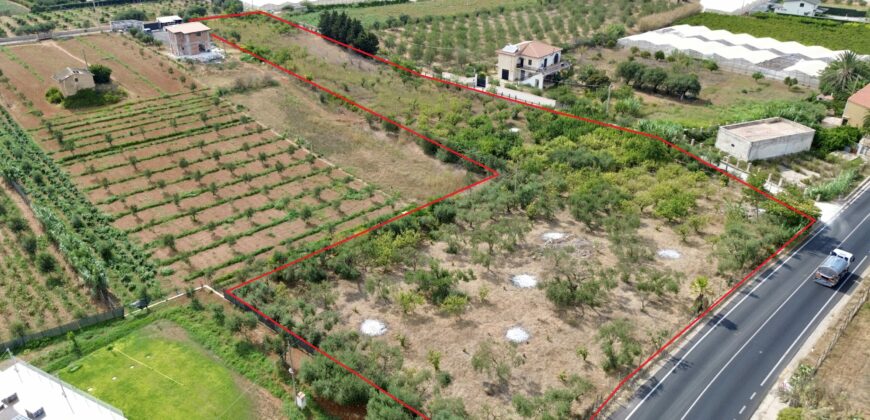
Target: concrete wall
{"type": "Point", "coordinates": [189, 44]}
{"type": "Point", "coordinates": [71, 85]}
{"type": "Point", "coordinates": [742, 149]}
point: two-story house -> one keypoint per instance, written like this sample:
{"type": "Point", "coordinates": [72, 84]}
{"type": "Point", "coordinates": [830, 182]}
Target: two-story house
{"type": "Point", "coordinates": [188, 39]}
{"type": "Point", "coordinates": [799, 8]}
{"type": "Point", "coordinates": [533, 63]}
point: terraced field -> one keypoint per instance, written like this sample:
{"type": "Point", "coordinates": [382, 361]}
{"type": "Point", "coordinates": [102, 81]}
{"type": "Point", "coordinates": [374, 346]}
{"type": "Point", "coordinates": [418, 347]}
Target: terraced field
{"type": "Point", "coordinates": [204, 188]}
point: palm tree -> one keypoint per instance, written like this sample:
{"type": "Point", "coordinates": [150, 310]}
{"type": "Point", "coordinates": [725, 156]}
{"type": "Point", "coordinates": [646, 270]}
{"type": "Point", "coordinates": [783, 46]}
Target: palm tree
{"type": "Point", "coordinates": [844, 75]}
{"type": "Point", "coordinates": [700, 286]}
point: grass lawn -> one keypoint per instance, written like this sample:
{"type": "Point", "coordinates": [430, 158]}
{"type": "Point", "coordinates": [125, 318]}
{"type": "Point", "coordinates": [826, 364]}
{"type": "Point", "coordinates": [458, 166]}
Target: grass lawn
{"type": "Point", "coordinates": [157, 373]}
{"type": "Point", "coordinates": [8, 8]}
{"type": "Point", "coordinates": [368, 15]}
{"type": "Point", "coordinates": [808, 31]}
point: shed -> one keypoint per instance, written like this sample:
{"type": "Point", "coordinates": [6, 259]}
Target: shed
{"type": "Point", "coordinates": [764, 139]}
{"type": "Point", "coordinates": [71, 80]}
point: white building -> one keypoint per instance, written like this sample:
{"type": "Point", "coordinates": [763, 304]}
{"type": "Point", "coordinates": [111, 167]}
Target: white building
{"type": "Point", "coordinates": [764, 139]}
{"type": "Point", "coordinates": [800, 8]}
{"type": "Point", "coordinates": [732, 7]}
{"type": "Point", "coordinates": [533, 63]}
{"type": "Point", "coordinates": [29, 393]}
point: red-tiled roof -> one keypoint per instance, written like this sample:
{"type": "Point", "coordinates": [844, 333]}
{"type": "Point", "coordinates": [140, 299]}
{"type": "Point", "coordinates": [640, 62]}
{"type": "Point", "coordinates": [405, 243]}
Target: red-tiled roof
{"type": "Point", "coordinates": [861, 97]}
{"type": "Point", "coordinates": [533, 49]}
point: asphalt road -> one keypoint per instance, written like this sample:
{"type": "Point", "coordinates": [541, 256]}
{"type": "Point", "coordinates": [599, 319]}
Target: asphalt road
{"type": "Point", "coordinates": [725, 370]}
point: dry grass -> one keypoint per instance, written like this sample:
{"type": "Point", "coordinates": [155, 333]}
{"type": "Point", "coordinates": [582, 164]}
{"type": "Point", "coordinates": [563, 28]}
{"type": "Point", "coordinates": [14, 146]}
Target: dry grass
{"type": "Point", "coordinates": [660, 20]}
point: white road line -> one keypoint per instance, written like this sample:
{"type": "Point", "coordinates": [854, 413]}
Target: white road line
{"type": "Point", "coordinates": [810, 323]}
{"type": "Point", "coordinates": [723, 317]}
{"type": "Point", "coordinates": [741, 410]}
{"type": "Point", "coordinates": [734, 356]}
{"type": "Point", "coordinates": [751, 397]}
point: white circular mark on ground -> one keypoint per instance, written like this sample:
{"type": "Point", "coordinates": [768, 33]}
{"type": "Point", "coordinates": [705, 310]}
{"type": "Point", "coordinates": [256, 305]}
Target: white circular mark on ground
{"type": "Point", "coordinates": [517, 335]}
{"type": "Point", "coordinates": [373, 327]}
{"type": "Point", "coordinates": [669, 254]}
{"type": "Point", "coordinates": [131, 366]}
{"type": "Point", "coordinates": [515, 130]}
{"type": "Point", "coordinates": [90, 390]}
{"type": "Point", "coordinates": [524, 281]}
{"type": "Point", "coordinates": [554, 236]}
{"type": "Point", "coordinates": [114, 378]}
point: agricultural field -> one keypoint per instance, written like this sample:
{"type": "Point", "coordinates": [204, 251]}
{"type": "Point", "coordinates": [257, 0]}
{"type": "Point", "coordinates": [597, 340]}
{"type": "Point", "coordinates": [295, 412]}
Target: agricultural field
{"type": "Point", "coordinates": [415, 10]}
{"type": "Point", "coordinates": [808, 31]}
{"type": "Point", "coordinates": [580, 260]}
{"type": "Point", "coordinates": [38, 289]}
{"type": "Point", "coordinates": [721, 91]}
{"type": "Point", "coordinates": [27, 71]}
{"type": "Point", "coordinates": [87, 17]}
{"type": "Point", "coordinates": [10, 8]}
{"type": "Point", "coordinates": [455, 42]}
{"type": "Point", "coordinates": [204, 188]}
{"type": "Point", "coordinates": [170, 375]}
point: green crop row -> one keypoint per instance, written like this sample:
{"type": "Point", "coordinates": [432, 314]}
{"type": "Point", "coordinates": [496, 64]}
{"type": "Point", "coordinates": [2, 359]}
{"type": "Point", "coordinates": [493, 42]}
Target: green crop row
{"type": "Point", "coordinates": [168, 152]}
{"type": "Point", "coordinates": [99, 253]}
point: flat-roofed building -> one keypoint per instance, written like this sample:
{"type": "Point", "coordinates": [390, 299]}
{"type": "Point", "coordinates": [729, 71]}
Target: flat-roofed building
{"type": "Point", "coordinates": [764, 139]}
{"type": "Point", "coordinates": [27, 392]}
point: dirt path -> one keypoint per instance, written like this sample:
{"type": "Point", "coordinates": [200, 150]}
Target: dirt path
{"type": "Point", "coordinates": [74, 57]}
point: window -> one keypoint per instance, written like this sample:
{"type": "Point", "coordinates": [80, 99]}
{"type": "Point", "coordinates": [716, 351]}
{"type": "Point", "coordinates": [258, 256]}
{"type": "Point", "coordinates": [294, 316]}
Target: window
{"type": "Point", "coordinates": [529, 62]}
{"type": "Point", "coordinates": [801, 5]}
{"type": "Point", "coordinates": [505, 74]}
{"type": "Point", "coordinates": [556, 59]}
{"type": "Point", "coordinates": [545, 63]}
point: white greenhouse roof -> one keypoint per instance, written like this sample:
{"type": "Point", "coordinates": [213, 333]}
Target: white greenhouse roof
{"type": "Point", "coordinates": [730, 6]}
{"type": "Point", "coordinates": [765, 52]}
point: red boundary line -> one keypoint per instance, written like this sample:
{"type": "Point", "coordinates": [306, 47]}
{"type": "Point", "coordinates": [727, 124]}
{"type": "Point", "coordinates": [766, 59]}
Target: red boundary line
{"type": "Point", "coordinates": [493, 174]}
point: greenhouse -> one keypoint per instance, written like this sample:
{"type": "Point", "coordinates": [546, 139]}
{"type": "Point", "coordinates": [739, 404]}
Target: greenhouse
{"type": "Point", "coordinates": [739, 53]}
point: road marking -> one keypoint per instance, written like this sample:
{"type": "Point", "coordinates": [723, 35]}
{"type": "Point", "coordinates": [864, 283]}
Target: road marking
{"type": "Point", "coordinates": [741, 410]}
{"type": "Point", "coordinates": [746, 343]}
{"type": "Point", "coordinates": [751, 397]}
{"type": "Point", "coordinates": [810, 323]}
{"type": "Point", "coordinates": [713, 328]}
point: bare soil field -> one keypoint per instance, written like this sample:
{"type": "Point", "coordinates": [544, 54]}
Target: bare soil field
{"type": "Point", "coordinates": [393, 162]}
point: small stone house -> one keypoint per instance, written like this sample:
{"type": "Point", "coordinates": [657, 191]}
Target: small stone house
{"type": "Point", "coordinates": [190, 38]}
{"type": "Point", "coordinates": [857, 107]}
{"type": "Point", "coordinates": [533, 63]}
{"type": "Point", "coordinates": [71, 80]}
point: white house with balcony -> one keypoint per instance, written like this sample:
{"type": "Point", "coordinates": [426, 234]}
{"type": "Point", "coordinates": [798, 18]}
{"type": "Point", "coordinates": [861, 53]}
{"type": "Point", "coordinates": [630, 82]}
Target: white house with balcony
{"type": "Point", "coordinates": [799, 8]}
{"type": "Point", "coordinates": [532, 63]}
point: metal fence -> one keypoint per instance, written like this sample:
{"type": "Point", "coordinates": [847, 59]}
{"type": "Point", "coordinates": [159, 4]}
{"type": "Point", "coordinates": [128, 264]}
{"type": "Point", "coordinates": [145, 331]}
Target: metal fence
{"type": "Point", "coordinates": [63, 329]}
{"type": "Point", "coordinates": [295, 342]}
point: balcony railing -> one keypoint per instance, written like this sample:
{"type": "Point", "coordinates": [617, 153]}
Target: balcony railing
{"type": "Point", "coordinates": [548, 69]}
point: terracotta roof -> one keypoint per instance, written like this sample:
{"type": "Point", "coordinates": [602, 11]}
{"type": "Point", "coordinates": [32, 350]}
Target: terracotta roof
{"type": "Point", "coordinates": [68, 72]}
{"type": "Point", "coordinates": [533, 49]}
{"type": "Point", "coordinates": [187, 28]}
{"type": "Point", "coordinates": [861, 97]}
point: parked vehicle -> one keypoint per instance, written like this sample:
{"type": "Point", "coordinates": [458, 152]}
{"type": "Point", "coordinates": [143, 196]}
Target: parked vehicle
{"type": "Point", "coordinates": [834, 268]}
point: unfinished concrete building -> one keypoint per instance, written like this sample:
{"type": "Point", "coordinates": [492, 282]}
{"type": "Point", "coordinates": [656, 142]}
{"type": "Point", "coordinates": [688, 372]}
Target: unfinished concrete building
{"type": "Point", "coordinates": [764, 139]}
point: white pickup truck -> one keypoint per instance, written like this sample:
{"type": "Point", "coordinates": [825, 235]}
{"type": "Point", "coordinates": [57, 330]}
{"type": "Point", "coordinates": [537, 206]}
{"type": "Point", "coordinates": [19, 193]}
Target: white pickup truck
{"type": "Point", "coordinates": [834, 268]}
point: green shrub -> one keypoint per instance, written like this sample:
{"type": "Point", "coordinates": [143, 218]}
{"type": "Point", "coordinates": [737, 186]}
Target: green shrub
{"type": "Point", "coordinates": [102, 74]}
{"type": "Point", "coordinates": [53, 95]}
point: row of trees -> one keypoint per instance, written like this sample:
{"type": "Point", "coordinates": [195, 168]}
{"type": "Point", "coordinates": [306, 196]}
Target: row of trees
{"type": "Point", "coordinates": [659, 80]}
{"type": "Point", "coordinates": [343, 28]}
